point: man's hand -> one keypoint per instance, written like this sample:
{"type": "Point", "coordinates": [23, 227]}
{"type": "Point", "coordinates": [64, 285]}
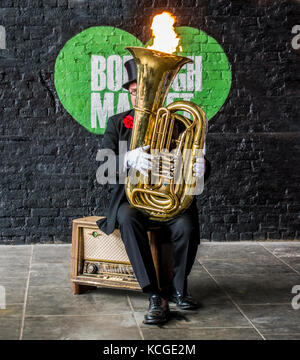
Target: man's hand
{"type": "Point", "coordinates": [199, 167]}
{"type": "Point", "coordinates": [139, 159]}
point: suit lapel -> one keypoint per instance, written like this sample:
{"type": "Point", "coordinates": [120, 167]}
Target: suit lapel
{"type": "Point", "coordinates": [126, 133]}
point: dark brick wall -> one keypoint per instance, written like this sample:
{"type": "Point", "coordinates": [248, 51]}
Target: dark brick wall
{"type": "Point", "coordinates": [48, 161]}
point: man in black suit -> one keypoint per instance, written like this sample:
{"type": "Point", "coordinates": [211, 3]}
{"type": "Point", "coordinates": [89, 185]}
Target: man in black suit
{"type": "Point", "coordinates": [182, 230]}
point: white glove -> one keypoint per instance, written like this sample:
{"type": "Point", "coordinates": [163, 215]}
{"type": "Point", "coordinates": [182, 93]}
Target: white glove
{"type": "Point", "coordinates": [139, 159]}
{"type": "Point", "coordinates": [199, 167]}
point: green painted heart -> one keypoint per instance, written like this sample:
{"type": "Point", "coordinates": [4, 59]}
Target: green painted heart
{"type": "Point", "coordinates": [89, 73]}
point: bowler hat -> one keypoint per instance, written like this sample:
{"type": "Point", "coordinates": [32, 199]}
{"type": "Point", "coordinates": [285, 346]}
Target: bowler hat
{"type": "Point", "coordinates": [131, 71]}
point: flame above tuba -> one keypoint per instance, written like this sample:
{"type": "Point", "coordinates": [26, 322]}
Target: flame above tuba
{"type": "Point", "coordinates": [169, 188]}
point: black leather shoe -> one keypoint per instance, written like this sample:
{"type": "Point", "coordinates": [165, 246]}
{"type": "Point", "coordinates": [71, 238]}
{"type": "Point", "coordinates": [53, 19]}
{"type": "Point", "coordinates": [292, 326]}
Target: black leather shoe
{"type": "Point", "coordinates": [184, 302]}
{"type": "Point", "coordinates": [158, 311]}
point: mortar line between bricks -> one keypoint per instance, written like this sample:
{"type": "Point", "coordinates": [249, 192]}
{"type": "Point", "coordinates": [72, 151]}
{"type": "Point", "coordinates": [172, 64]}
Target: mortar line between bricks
{"type": "Point", "coordinates": [137, 324]}
{"type": "Point", "coordinates": [26, 295]}
{"type": "Point", "coordinates": [233, 302]}
{"type": "Point", "coordinates": [288, 265]}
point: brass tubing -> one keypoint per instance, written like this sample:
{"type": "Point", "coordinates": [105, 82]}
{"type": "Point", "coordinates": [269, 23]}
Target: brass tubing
{"type": "Point", "coordinates": [166, 209]}
{"type": "Point", "coordinates": [154, 125]}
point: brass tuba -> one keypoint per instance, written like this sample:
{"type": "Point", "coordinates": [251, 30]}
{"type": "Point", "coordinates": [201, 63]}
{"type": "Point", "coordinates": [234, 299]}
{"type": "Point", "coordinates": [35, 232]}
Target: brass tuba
{"type": "Point", "coordinates": [153, 125]}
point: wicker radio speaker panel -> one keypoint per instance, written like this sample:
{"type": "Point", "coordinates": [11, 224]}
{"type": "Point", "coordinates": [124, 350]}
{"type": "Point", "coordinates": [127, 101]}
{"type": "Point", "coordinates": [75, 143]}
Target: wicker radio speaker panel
{"type": "Point", "coordinates": [97, 245]}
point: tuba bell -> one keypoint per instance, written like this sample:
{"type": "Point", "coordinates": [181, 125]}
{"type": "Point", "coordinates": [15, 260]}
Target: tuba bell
{"type": "Point", "coordinates": [170, 186]}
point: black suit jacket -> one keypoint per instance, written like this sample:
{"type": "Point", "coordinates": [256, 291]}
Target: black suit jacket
{"type": "Point", "coordinates": [115, 132]}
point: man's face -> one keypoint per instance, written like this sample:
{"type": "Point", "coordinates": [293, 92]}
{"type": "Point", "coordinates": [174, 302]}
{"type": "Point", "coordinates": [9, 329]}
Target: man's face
{"type": "Point", "coordinates": [132, 90]}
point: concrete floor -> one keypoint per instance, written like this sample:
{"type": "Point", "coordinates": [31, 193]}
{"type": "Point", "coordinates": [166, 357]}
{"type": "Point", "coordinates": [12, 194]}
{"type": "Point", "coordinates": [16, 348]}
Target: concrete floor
{"type": "Point", "coordinates": [245, 290]}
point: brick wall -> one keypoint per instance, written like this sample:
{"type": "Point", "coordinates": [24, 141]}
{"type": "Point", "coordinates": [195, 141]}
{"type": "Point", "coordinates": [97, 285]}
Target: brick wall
{"type": "Point", "coordinates": [48, 161]}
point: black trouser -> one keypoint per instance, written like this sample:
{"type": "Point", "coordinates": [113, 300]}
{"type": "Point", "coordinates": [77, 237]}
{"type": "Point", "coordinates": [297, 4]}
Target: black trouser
{"type": "Point", "coordinates": [183, 232]}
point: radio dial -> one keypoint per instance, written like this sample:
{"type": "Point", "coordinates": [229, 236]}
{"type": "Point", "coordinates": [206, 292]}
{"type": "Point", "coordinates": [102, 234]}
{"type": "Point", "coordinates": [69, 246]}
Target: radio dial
{"type": "Point", "coordinates": [91, 269]}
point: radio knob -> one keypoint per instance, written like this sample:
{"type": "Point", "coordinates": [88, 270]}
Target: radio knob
{"type": "Point", "coordinates": [91, 269]}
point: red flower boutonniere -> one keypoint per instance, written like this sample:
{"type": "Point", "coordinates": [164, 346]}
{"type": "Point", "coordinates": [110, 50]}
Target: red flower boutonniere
{"type": "Point", "coordinates": [128, 121]}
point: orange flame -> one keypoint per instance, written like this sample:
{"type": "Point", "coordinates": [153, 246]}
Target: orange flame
{"type": "Point", "coordinates": [164, 36]}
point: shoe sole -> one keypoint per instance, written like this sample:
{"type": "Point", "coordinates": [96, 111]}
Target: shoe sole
{"type": "Point", "coordinates": [184, 308]}
{"type": "Point", "coordinates": [157, 322]}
